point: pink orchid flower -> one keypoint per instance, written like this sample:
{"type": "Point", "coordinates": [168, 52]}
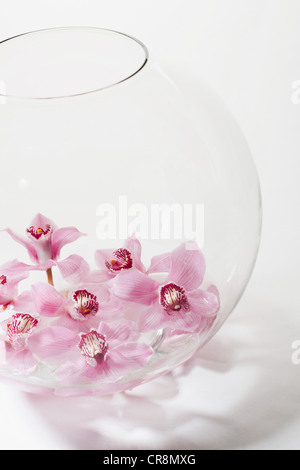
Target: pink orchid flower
{"type": "Point", "coordinates": [112, 262]}
{"type": "Point", "coordinates": [15, 333]}
{"type": "Point", "coordinates": [178, 303]}
{"type": "Point", "coordinates": [11, 274]}
{"type": "Point", "coordinates": [79, 309]}
{"type": "Point", "coordinates": [104, 354]}
{"type": "Point", "coordinates": [45, 240]}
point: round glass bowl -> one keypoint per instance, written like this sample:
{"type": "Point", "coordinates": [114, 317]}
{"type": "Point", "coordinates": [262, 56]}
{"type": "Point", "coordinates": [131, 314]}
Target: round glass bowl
{"type": "Point", "coordinates": [130, 213]}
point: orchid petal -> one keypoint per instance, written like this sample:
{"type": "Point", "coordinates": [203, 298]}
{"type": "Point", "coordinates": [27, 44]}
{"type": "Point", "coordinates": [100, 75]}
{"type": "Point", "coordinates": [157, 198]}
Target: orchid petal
{"type": "Point", "coordinates": [118, 364]}
{"type": "Point", "coordinates": [7, 294]}
{"type": "Point", "coordinates": [61, 237]}
{"type": "Point", "coordinates": [80, 372]}
{"type": "Point", "coordinates": [73, 372]}
{"type": "Point", "coordinates": [41, 221]}
{"type": "Point", "coordinates": [17, 269]}
{"type": "Point", "coordinates": [135, 352]}
{"type": "Point", "coordinates": [203, 302]}
{"type": "Point", "coordinates": [22, 361]}
{"type": "Point", "coordinates": [97, 277]}
{"type": "Point", "coordinates": [117, 332]}
{"type": "Point", "coordinates": [188, 322]}
{"type": "Point", "coordinates": [48, 265]}
{"type": "Point", "coordinates": [102, 256]}
{"type": "Point", "coordinates": [100, 291]}
{"type": "Point", "coordinates": [213, 290]}
{"type": "Point", "coordinates": [192, 324]}
{"type": "Point", "coordinates": [24, 303]}
{"type": "Point", "coordinates": [155, 317]}
{"type": "Point", "coordinates": [74, 269]}
{"type": "Point", "coordinates": [26, 243]}
{"type": "Point", "coordinates": [135, 286]}
{"type": "Point", "coordinates": [83, 325]}
{"type": "Point", "coordinates": [53, 344]}
{"type": "Point", "coordinates": [47, 300]}
{"type": "Point", "coordinates": [187, 266]}
{"type": "Point", "coordinates": [9, 291]}
{"type": "Point", "coordinates": [152, 318]}
{"type": "Point", "coordinates": [160, 263]}
{"type": "Point", "coordinates": [134, 247]}
{"type": "Point", "coordinates": [111, 310]}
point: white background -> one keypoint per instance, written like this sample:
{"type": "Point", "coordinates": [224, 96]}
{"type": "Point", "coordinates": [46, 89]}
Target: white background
{"type": "Point", "coordinates": [242, 391]}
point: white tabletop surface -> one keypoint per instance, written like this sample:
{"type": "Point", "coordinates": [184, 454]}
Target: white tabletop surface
{"type": "Point", "coordinates": [242, 390]}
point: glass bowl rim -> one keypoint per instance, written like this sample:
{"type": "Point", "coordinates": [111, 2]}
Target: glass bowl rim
{"type": "Point", "coordinates": [83, 93]}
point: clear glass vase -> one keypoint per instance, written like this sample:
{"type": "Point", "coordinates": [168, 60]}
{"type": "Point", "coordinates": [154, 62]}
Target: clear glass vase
{"type": "Point", "coordinates": [130, 216]}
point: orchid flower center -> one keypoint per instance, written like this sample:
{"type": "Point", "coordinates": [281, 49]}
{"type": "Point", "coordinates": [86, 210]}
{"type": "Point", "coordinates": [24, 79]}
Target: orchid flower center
{"type": "Point", "coordinates": [122, 260]}
{"type": "Point", "coordinates": [85, 302]}
{"type": "Point", "coordinates": [3, 280]}
{"type": "Point", "coordinates": [94, 347]}
{"type": "Point", "coordinates": [40, 233]}
{"type": "Point", "coordinates": [173, 298]}
{"type": "Point", "coordinates": [19, 328]}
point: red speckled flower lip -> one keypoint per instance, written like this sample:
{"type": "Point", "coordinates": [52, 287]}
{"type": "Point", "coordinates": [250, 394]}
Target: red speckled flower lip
{"type": "Point", "coordinates": [93, 344]}
{"type": "Point", "coordinates": [39, 232]}
{"type": "Point", "coordinates": [19, 328]}
{"type": "Point", "coordinates": [85, 302]}
{"type": "Point", "coordinates": [173, 298]}
{"type": "Point", "coordinates": [122, 260]}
